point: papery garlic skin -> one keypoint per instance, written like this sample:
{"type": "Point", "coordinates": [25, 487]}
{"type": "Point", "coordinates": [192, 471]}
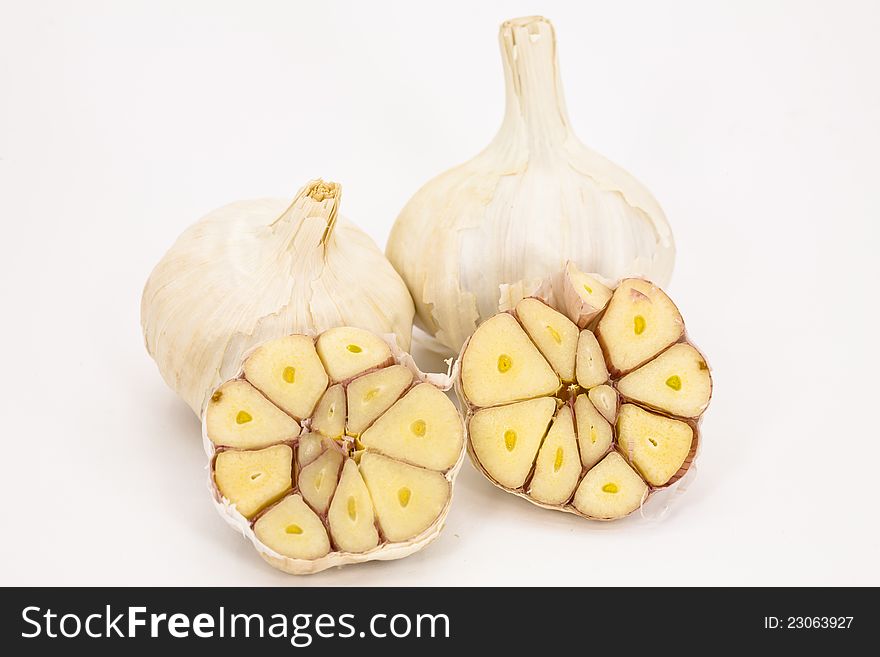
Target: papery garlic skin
{"type": "Point", "coordinates": [256, 270]}
{"type": "Point", "coordinates": [533, 199]}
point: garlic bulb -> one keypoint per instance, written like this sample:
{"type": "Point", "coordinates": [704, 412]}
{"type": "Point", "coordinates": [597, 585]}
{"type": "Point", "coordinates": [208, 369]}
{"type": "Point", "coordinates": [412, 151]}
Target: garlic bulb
{"type": "Point", "coordinates": [533, 199]}
{"type": "Point", "coordinates": [256, 270]}
{"type": "Point", "coordinates": [333, 450]}
{"type": "Point", "coordinates": [588, 401]}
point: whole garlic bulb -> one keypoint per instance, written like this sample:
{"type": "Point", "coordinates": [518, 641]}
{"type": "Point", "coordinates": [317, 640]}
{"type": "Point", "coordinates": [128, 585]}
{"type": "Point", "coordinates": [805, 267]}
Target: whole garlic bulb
{"type": "Point", "coordinates": [256, 270]}
{"type": "Point", "coordinates": [533, 199]}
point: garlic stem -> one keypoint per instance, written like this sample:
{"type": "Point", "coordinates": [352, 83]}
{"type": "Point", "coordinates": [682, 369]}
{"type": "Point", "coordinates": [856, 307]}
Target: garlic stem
{"type": "Point", "coordinates": [318, 198]}
{"type": "Point", "coordinates": [535, 104]}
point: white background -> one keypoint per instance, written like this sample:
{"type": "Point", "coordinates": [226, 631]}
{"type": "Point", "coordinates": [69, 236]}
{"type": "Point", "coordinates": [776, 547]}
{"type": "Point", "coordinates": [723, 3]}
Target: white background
{"type": "Point", "coordinates": [754, 123]}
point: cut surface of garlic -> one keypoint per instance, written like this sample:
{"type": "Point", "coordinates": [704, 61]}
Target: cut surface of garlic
{"type": "Point", "coordinates": [617, 422]}
{"type": "Point", "coordinates": [533, 199]}
{"type": "Point", "coordinates": [252, 271]}
{"type": "Point", "coordinates": [289, 473]}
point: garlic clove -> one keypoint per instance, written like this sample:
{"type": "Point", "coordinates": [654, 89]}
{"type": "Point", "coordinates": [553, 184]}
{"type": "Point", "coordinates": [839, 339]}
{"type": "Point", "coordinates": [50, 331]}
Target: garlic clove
{"type": "Point", "coordinates": [407, 499]}
{"type": "Point", "coordinates": [610, 490]}
{"type": "Point", "coordinates": [370, 395]}
{"type": "Point", "coordinates": [288, 372]}
{"type": "Point", "coordinates": [253, 479]}
{"type": "Point", "coordinates": [604, 398]}
{"type": "Point", "coordinates": [422, 428]}
{"type": "Point", "coordinates": [309, 447]}
{"type": "Point", "coordinates": [554, 334]}
{"type": "Point", "coordinates": [317, 480]}
{"type": "Point", "coordinates": [591, 368]}
{"type": "Point", "coordinates": [329, 417]}
{"type": "Point", "coordinates": [239, 416]}
{"type": "Point", "coordinates": [505, 439]}
{"type": "Point", "coordinates": [347, 351]}
{"type": "Point", "coordinates": [583, 296]}
{"type": "Point", "coordinates": [351, 518]}
{"type": "Point", "coordinates": [677, 381]}
{"type": "Point", "coordinates": [292, 529]}
{"type": "Point", "coordinates": [558, 466]}
{"type": "Point", "coordinates": [655, 444]}
{"type": "Point", "coordinates": [640, 322]}
{"type": "Point", "coordinates": [593, 430]}
{"type": "Point", "coordinates": [501, 364]}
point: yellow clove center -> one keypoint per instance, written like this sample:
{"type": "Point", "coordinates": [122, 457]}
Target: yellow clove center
{"type": "Point", "coordinates": [243, 417]}
{"type": "Point", "coordinates": [674, 382]}
{"type": "Point", "coordinates": [639, 324]}
{"type": "Point", "coordinates": [403, 496]}
{"type": "Point", "coordinates": [558, 462]}
{"type": "Point", "coordinates": [418, 428]}
{"type": "Point", "coordinates": [609, 488]}
{"type": "Point", "coordinates": [293, 529]}
{"type": "Point", "coordinates": [352, 507]}
{"type": "Point", "coordinates": [588, 289]}
{"type": "Point", "coordinates": [353, 348]}
{"type": "Point", "coordinates": [371, 394]}
{"type": "Point", "coordinates": [554, 334]}
{"type": "Point", "coordinates": [510, 439]}
{"type": "Point", "coordinates": [504, 363]}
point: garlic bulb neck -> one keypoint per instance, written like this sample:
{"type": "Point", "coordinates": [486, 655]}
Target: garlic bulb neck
{"type": "Point", "coordinates": [535, 105]}
{"type": "Point", "coordinates": [317, 203]}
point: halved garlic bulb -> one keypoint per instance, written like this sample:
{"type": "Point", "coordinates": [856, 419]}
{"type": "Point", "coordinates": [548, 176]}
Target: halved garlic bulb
{"type": "Point", "coordinates": [365, 471]}
{"type": "Point", "coordinates": [255, 270]}
{"type": "Point", "coordinates": [533, 199]}
{"type": "Point", "coordinates": [590, 416]}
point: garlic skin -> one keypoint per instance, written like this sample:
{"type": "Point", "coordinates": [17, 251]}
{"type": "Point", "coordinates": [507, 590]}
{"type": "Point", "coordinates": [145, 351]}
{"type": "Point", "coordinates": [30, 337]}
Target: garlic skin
{"type": "Point", "coordinates": [533, 199]}
{"type": "Point", "coordinates": [256, 270]}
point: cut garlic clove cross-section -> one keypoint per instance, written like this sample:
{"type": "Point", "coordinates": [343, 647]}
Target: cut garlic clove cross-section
{"type": "Point", "coordinates": [657, 445]}
{"type": "Point", "coordinates": [292, 529]}
{"type": "Point", "coordinates": [347, 352]}
{"type": "Point", "coordinates": [421, 428]}
{"type": "Point", "coordinates": [558, 466]}
{"type": "Point", "coordinates": [610, 490]}
{"type": "Point", "coordinates": [252, 479]}
{"type": "Point", "coordinates": [595, 434]}
{"type": "Point", "coordinates": [503, 365]}
{"type": "Point", "coordinates": [591, 368]}
{"type": "Point", "coordinates": [553, 333]}
{"type": "Point", "coordinates": [407, 499]}
{"type": "Point", "coordinates": [506, 438]}
{"type": "Point", "coordinates": [289, 373]}
{"type": "Point", "coordinates": [329, 418]}
{"type": "Point", "coordinates": [677, 382]}
{"type": "Point", "coordinates": [238, 415]}
{"type": "Point", "coordinates": [317, 480]}
{"type": "Point", "coordinates": [640, 322]}
{"type": "Point", "coordinates": [370, 395]}
{"type": "Point", "coordinates": [351, 518]}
